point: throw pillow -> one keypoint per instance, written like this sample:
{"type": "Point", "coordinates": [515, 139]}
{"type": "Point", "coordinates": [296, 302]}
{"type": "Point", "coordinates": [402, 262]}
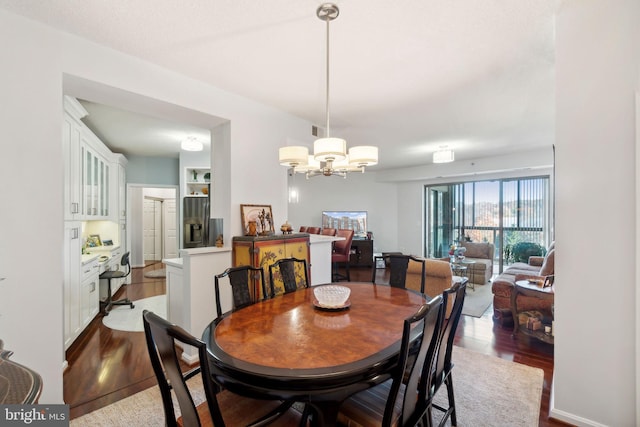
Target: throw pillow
{"type": "Point", "coordinates": [547, 265]}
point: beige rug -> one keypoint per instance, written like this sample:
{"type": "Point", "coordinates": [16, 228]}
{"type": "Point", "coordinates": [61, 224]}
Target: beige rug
{"type": "Point", "coordinates": [160, 273]}
{"type": "Point", "coordinates": [477, 300]}
{"type": "Point", "coordinates": [489, 392]}
{"type": "Point", "coordinates": [125, 318]}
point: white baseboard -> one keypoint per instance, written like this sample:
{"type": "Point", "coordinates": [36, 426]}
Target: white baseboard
{"type": "Point", "coordinates": [573, 419]}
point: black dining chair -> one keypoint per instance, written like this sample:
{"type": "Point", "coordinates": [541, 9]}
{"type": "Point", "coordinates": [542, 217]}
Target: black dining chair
{"type": "Point", "coordinates": [108, 275]}
{"type": "Point", "coordinates": [292, 272]}
{"type": "Point", "coordinates": [396, 266]}
{"type": "Point", "coordinates": [444, 366]}
{"type": "Point", "coordinates": [244, 289]}
{"type": "Point", "coordinates": [402, 399]}
{"type": "Point", "coordinates": [221, 407]}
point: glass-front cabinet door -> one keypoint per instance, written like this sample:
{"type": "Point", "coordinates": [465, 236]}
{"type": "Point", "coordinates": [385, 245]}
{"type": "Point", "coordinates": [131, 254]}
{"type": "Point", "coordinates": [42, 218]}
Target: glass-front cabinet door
{"type": "Point", "coordinates": [95, 185]}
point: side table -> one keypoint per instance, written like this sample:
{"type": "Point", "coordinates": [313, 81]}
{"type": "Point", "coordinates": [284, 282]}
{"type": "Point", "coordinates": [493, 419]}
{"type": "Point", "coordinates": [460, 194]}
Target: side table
{"type": "Point", "coordinates": [526, 288]}
{"type": "Point", "coordinates": [461, 268]}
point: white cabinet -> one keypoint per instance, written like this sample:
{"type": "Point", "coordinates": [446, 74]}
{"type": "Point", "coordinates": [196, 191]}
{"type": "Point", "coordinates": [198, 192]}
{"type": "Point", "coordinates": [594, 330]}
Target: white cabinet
{"type": "Point", "coordinates": [71, 140]}
{"type": "Point", "coordinates": [94, 189]}
{"type": "Point", "coordinates": [72, 249]}
{"type": "Point", "coordinates": [121, 187]}
{"type": "Point", "coordinates": [89, 304]}
{"type": "Point", "coordinates": [80, 285]}
{"type": "Point", "coordinates": [96, 180]}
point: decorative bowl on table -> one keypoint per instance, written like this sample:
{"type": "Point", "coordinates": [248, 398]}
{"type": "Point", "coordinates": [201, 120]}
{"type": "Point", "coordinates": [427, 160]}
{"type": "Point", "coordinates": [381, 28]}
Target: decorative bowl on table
{"type": "Point", "coordinates": [332, 296]}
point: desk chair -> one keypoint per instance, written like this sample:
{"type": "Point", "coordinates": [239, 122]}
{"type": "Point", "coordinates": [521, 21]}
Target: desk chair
{"type": "Point", "coordinates": [116, 274]}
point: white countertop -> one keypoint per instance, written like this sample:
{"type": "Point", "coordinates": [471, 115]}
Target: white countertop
{"type": "Point", "coordinates": [321, 238]}
{"type": "Point", "coordinates": [173, 262]}
{"type": "Point", "coordinates": [87, 258]}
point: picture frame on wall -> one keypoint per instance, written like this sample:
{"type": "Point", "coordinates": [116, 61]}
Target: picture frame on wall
{"type": "Point", "coordinates": [263, 217]}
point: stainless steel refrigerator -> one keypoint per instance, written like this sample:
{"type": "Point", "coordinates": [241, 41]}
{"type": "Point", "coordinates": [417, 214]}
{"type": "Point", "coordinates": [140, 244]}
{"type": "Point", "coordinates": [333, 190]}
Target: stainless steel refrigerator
{"type": "Point", "coordinates": [195, 219]}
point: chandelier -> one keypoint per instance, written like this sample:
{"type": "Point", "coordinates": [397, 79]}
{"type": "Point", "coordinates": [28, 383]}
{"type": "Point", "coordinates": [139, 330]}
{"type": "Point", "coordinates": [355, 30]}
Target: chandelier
{"type": "Point", "coordinates": [330, 156]}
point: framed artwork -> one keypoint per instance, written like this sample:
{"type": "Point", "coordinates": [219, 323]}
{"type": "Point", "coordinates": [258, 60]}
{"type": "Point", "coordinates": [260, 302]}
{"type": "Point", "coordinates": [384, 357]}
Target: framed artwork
{"type": "Point", "coordinates": [262, 216]}
{"type": "Point", "coordinates": [94, 240]}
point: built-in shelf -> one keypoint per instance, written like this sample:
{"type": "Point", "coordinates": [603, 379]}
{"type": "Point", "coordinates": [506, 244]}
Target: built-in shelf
{"type": "Point", "coordinates": [195, 182]}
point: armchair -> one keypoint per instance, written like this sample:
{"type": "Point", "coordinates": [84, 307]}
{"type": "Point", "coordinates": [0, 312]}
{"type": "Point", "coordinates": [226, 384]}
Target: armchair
{"type": "Point", "coordinates": [482, 253]}
{"type": "Point", "coordinates": [504, 284]}
{"type": "Point", "coordinates": [437, 278]}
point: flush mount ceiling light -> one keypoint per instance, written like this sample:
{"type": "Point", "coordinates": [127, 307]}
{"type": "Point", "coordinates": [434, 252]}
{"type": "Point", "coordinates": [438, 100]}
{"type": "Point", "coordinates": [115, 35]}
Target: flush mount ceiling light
{"type": "Point", "coordinates": [330, 155]}
{"type": "Point", "coordinates": [444, 155]}
{"type": "Point", "coordinates": [191, 144]}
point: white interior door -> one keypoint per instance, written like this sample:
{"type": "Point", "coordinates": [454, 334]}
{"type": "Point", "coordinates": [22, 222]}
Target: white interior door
{"type": "Point", "coordinates": [157, 238]}
{"type": "Point", "coordinates": [149, 229]}
{"type": "Point", "coordinates": [170, 225]}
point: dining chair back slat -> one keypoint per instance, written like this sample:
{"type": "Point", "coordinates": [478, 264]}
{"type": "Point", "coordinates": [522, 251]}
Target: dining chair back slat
{"type": "Point", "coordinates": [292, 272]}
{"type": "Point", "coordinates": [397, 402]}
{"type": "Point", "coordinates": [244, 289]}
{"type": "Point", "coordinates": [397, 266]}
{"type": "Point", "coordinates": [444, 365]}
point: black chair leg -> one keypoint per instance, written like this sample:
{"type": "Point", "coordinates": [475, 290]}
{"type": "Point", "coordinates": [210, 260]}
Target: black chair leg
{"type": "Point", "coordinates": [109, 302]}
{"type": "Point", "coordinates": [452, 401]}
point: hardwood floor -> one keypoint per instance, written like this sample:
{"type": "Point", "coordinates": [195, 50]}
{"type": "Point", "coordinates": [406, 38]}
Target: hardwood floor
{"type": "Point", "coordinates": [107, 365]}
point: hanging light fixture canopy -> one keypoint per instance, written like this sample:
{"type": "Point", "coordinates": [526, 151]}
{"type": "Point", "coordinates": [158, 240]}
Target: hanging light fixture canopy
{"type": "Point", "coordinates": [444, 155]}
{"type": "Point", "coordinates": [330, 156]}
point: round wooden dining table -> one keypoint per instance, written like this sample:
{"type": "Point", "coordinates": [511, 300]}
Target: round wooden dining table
{"type": "Point", "coordinates": [287, 348]}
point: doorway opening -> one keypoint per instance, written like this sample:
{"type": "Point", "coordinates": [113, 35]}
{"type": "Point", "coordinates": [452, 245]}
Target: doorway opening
{"type": "Point", "coordinates": [153, 223]}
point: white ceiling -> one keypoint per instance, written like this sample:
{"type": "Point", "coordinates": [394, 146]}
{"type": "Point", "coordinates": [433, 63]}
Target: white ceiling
{"type": "Point", "coordinates": [409, 76]}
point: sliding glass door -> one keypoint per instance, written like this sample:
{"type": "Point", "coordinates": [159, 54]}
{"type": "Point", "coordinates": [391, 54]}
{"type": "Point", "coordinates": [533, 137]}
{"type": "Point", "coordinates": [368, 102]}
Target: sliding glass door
{"type": "Point", "coordinates": [502, 212]}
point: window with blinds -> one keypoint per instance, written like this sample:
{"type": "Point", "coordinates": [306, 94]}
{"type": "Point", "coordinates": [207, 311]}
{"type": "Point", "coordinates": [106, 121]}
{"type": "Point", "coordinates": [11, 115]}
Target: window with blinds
{"type": "Point", "coordinates": [502, 212]}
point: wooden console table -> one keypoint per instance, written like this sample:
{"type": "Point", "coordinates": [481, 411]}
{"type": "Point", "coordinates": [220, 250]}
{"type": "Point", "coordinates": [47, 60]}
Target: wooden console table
{"type": "Point", "coordinates": [524, 287]}
{"type": "Point", "coordinates": [361, 253]}
{"type": "Point", "coordinates": [262, 251]}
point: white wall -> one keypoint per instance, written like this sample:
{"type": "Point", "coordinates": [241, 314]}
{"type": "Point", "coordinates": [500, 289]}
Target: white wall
{"type": "Point", "coordinates": [358, 192]}
{"type": "Point", "coordinates": [36, 66]}
{"type": "Point", "coordinates": [598, 53]}
{"type": "Point", "coordinates": [394, 199]}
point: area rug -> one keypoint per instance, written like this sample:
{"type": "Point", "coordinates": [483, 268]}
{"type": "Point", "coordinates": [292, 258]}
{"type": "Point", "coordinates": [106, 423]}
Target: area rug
{"type": "Point", "coordinates": [125, 318]}
{"type": "Point", "coordinates": [489, 392]}
{"type": "Point", "coordinates": [160, 273]}
{"type": "Point", "coordinates": [476, 301]}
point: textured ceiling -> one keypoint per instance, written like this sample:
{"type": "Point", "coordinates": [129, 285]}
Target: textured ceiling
{"type": "Point", "coordinates": [409, 76]}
